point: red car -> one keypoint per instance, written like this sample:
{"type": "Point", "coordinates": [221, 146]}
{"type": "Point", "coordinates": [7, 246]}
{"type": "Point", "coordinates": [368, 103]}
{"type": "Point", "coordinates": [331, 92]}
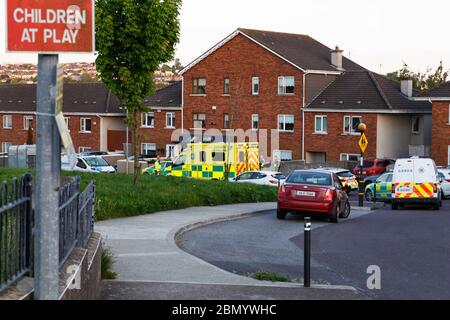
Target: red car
{"type": "Point", "coordinates": [315, 191]}
{"type": "Point", "coordinates": [373, 167]}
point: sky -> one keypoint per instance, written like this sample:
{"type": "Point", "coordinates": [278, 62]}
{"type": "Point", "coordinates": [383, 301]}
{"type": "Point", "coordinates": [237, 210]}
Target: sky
{"type": "Point", "coordinates": [380, 35]}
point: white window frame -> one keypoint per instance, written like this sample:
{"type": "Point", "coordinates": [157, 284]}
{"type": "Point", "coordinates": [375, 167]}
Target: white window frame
{"type": "Point", "coordinates": [282, 86]}
{"type": "Point", "coordinates": [4, 144]}
{"type": "Point", "coordinates": [168, 147]}
{"type": "Point", "coordinates": [352, 131]}
{"type": "Point", "coordinates": [197, 115]}
{"type": "Point", "coordinates": [346, 156]}
{"type": "Point", "coordinates": [321, 130]}
{"type": "Point", "coordinates": [144, 120]}
{"type": "Point", "coordinates": [414, 119]}
{"type": "Point", "coordinates": [279, 154]}
{"type": "Point", "coordinates": [147, 144]}
{"type": "Point", "coordinates": [66, 120]}
{"type": "Point", "coordinates": [255, 115]}
{"type": "Point", "coordinates": [26, 122]}
{"type": "Point", "coordinates": [170, 120]}
{"type": "Point", "coordinates": [255, 81]}
{"type": "Point", "coordinates": [283, 116]}
{"type": "Point", "coordinates": [83, 125]}
{"type": "Point", "coordinates": [225, 92]}
{"type": "Point", "coordinates": [84, 149]}
{"type": "Point", "coordinates": [226, 121]}
{"type": "Point", "coordinates": [5, 122]}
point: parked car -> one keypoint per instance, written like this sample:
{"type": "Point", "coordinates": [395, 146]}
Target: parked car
{"type": "Point", "coordinates": [93, 153]}
{"type": "Point", "coordinates": [89, 164]}
{"type": "Point", "coordinates": [445, 185]}
{"type": "Point", "coordinates": [314, 191]}
{"type": "Point", "coordinates": [446, 172]}
{"type": "Point", "coordinates": [348, 179]}
{"type": "Point", "coordinates": [380, 189]}
{"type": "Point", "coordinates": [268, 178]}
{"type": "Point", "coordinates": [165, 164]}
{"type": "Point", "coordinates": [373, 167]}
{"type": "Point", "coordinates": [415, 182]}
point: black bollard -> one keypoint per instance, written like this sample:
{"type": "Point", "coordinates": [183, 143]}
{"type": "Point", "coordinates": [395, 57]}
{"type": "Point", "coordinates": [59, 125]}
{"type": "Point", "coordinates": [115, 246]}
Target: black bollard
{"type": "Point", "coordinates": [307, 253]}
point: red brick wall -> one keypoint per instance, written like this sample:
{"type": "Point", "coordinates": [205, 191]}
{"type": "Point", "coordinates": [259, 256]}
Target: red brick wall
{"type": "Point", "coordinates": [17, 135]}
{"type": "Point", "coordinates": [159, 134]}
{"type": "Point", "coordinates": [336, 142]}
{"type": "Point", "coordinates": [239, 60]}
{"type": "Point", "coordinates": [440, 133]}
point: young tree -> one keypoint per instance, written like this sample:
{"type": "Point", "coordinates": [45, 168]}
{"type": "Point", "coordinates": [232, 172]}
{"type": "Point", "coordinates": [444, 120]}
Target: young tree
{"type": "Point", "coordinates": [133, 38]}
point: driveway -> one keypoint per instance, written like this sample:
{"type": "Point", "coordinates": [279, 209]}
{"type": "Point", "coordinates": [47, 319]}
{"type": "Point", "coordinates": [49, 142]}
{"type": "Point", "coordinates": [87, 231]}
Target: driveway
{"type": "Point", "coordinates": [410, 246]}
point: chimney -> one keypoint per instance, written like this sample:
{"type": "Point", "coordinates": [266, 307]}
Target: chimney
{"type": "Point", "coordinates": [406, 86]}
{"type": "Point", "coordinates": [336, 57]}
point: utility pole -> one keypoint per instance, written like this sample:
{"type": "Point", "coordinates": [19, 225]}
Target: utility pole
{"type": "Point", "coordinates": [48, 165]}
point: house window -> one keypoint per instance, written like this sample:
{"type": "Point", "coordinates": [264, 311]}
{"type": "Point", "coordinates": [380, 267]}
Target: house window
{"type": "Point", "coordinates": [7, 121]}
{"type": "Point", "coordinates": [199, 86]}
{"type": "Point", "coordinates": [148, 149]}
{"type": "Point", "coordinates": [321, 124]}
{"type": "Point", "coordinates": [199, 120]}
{"type": "Point", "coordinates": [351, 124]}
{"type": "Point", "coordinates": [255, 121]}
{"type": "Point", "coordinates": [148, 119]}
{"type": "Point", "coordinates": [286, 85]}
{"type": "Point", "coordinates": [350, 157]}
{"type": "Point", "coordinates": [27, 122]}
{"type": "Point", "coordinates": [226, 121]}
{"type": "Point", "coordinates": [170, 151]}
{"type": "Point", "coordinates": [170, 120]}
{"type": "Point", "coordinates": [226, 86]}
{"type": "Point", "coordinates": [85, 125]}
{"type": "Point", "coordinates": [66, 120]}
{"type": "Point", "coordinates": [283, 155]}
{"type": "Point", "coordinates": [255, 86]}
{"type": "Point", "coordinates": [84, 149]}
{"type": "Point", "coordinates": [5, 146]}
{"type": "Point", "coordinates": [285, 122]}
{"type": "Point", "coordinates": [415, 128]}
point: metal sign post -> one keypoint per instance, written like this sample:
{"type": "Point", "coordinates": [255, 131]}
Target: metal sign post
{"type": "Point", "coordinates": [363, 146]}
{"type": "Point", "coordinates": [48, 165]}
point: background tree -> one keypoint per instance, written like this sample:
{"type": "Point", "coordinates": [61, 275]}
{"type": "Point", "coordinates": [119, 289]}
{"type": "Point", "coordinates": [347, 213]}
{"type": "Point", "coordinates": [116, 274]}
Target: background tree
{"type": "Point", "coordinates": [133, 38]}
{"type": "Point", "coordinates": [30, 137]}
{"type": "Point", "coordinates": [421, 81]}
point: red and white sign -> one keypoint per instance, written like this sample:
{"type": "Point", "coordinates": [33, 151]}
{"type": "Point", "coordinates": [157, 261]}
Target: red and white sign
{"type": "Point", "coordinates": [50, 26]}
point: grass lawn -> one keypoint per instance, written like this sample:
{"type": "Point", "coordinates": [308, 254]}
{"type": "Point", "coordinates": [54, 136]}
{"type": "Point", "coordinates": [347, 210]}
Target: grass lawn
{"type": "Point", "coordinates": [117, 197]}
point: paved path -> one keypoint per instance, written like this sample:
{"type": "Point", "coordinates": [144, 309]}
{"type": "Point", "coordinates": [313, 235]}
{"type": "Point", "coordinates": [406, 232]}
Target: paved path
{"type": "Point", "coordinates": [411, 247]}
{"type": "Point", "coordinates": [147, 255]}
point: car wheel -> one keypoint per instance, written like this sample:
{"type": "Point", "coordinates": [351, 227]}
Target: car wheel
{"type": "Point", "coordinates": [369, 195]}
{"type": "Point", "coordinates": [335, 216]}
{"type": "Point", "coordinates": [394, 206]}
{"type": "Point", "coordinates": [281, 214]}
{"type": "Point", "coordinates": [347, 211]}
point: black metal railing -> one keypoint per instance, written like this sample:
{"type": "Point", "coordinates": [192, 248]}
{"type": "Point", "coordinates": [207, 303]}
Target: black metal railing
{"type": "Point", "coordinates": [15, 230]}
{"type": "Point", "coordinates": [76, 217]}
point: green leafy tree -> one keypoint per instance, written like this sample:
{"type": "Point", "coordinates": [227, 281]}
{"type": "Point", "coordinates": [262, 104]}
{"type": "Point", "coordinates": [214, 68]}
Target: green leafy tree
{"type": "Point", "coordinates": [421, 81]}
{"type": "Point", "coordinates": [133, 38]}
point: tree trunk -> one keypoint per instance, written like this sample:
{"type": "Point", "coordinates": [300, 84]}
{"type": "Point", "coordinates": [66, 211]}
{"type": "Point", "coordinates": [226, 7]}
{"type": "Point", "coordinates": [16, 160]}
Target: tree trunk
{"type": "Point", "coordinates": [134, 129]}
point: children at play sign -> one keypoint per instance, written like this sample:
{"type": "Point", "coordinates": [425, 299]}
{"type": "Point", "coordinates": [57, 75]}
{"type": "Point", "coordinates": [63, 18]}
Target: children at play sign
{"type": "Point", "coordinates": [50, 26]}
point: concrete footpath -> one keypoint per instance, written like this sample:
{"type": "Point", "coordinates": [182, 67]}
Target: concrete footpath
{"type": "Point", "coordinates": [150, 265]}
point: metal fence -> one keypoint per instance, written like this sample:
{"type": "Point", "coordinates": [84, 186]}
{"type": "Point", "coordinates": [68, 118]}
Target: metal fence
{"type": "Point", "coordinates": [76, 224]}
{"type": "Point", "coordinates": [76, 217]}
{"type": "Point", "coordinates": [15, 230]}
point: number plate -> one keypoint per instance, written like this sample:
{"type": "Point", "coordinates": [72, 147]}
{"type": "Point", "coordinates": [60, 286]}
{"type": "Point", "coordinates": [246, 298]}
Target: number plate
{"type": "Point", "coordinates": [404, 189]}
{"type": "Point", "coordinates": [305, 193]}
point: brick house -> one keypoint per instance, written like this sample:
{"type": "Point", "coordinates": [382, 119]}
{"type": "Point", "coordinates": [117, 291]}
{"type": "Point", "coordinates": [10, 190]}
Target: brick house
{"type": "Point", "coordinates": [440, 98]}
{"type": "Point", "coordinates": [255, 80]}
{"type": "Point", "coordinates": [91, 111]}
{"type": "Point", "coordinates": [397, 125]}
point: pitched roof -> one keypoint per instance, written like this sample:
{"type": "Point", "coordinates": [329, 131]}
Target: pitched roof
{"type": "Point", "coordinates": [365, 90]}
{"type": "Point", "coordinates": [89, 98]}
{"type": "Point", "coordinates": [301, 50]}
{"type": "Point", "coordinates": [442, 91]}
{"type": "Point", "coordinates": [168, 97]}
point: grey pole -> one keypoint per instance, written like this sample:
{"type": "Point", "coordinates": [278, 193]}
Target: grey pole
{"type": "Point", "coordinates": [48, 165]}
{"type": "Point", "coordinates": [127, 146]}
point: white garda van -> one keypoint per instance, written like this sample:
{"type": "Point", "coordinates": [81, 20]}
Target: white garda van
{"type": "Point", "coordinates": [415, 182]}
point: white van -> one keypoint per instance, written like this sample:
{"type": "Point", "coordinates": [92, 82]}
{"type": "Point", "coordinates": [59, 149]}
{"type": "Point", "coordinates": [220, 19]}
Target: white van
{"type": "Point", "coordinates": [89, 164]}
{"type": "Point", "coordinates": [415, 181]}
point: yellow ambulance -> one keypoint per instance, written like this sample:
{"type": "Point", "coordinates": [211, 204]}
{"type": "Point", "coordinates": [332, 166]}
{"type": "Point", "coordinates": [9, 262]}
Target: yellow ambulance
{"type": "Point", "coordinates": [215, 161]}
